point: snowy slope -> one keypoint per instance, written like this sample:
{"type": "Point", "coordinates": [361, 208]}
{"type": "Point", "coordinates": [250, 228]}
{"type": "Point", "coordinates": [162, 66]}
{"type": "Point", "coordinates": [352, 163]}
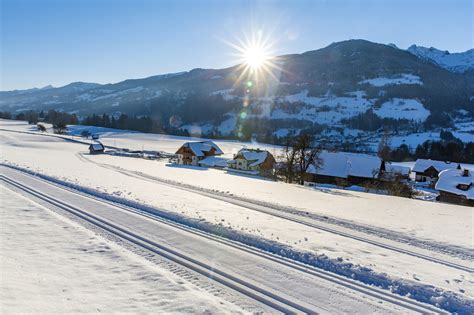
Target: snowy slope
{"type": "Point", "coordinates": [455, 62]}
{"type": "Point", "coordinates": [68, 161]}
{"type": "Point", "coordinates": [404, 78]}
{"type": "Point", "coordinates": [404, 109]}
{"type": "Point", "coordinates": [317, 293]}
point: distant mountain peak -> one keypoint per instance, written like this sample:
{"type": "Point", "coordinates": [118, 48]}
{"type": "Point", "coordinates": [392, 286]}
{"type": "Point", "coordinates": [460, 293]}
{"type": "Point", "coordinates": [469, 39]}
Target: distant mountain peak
{"type": "Point", "coordinates": [454, 62]}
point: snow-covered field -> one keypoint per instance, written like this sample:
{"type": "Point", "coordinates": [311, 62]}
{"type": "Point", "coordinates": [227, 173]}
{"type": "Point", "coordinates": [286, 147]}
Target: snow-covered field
{"type": "Point", "coordinates": [404, 78]}
{"type": "Point", "coordinates": [325, 110]}
{"type": "Point", "coordinates": [403, 109]}
{"type": "Point", "coordinates": [51, 264]}
{"type": "Point", "coordinates": [416, 228]}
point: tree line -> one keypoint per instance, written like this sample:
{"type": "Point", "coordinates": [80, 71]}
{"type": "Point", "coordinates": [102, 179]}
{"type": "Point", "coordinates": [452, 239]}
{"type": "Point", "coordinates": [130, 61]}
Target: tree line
{"type": "Point", "coordinates": [448, 148]}
{"type": "Point", "coordinates": [369, 121]}
{"type": "Point", "coordinates": [136, 123]}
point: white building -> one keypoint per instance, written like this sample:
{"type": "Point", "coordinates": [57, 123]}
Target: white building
{"type": "Point", "coordinates": [255, 161]}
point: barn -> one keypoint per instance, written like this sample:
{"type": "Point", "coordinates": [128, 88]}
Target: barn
{"type": "Point", "coordinates": [96, 148]}
{"type": "Point", "coordinates": [456, 186]}
{"type": "Point", "coordinates": [254, 161]}
{"type": "Point", "coordinates": [191, 153]}
{"type": "Point", "coordinates": [350, 168]}
{"type": "Point", "coordinates": [394, 172]}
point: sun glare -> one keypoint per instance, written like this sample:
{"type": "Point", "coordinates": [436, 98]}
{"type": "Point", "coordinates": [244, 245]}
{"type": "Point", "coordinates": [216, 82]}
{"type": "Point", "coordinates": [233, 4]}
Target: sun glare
{"type": "Point", "coordinates": [256, 57]}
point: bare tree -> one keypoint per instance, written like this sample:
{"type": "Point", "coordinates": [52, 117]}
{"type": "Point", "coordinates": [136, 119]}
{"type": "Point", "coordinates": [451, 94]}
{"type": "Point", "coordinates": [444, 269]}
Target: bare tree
{"type": "Point", "coordinates": [31, 117]}
{"type": "Point", "coordinates": [306, 155]}
{"type": "Point", "coordinates": [41, 127]}
{"type": "Point", "coordinates": [287, 162]}
{"type": "Point", "coordinates": [384, 150]}
{"type": "Point", "coordinates": [299, 153]}
{"type": "Point", "coordinates": [60, 128]}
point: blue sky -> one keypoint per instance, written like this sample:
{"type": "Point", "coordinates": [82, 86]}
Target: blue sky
{"type": "Point", "coordinates": [106, 41]}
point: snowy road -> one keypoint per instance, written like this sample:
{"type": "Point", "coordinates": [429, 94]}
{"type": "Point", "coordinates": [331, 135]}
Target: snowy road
{"type": "Point", "coordinates": [281, 284]}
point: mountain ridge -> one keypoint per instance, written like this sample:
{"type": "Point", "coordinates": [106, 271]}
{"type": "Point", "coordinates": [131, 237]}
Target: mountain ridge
{"type": "Point", "coordinates": [352, 84]}
{"type": "Point", "coordinates": [456, 62]}
{"type": "Point", "coordinates": [419, 51]}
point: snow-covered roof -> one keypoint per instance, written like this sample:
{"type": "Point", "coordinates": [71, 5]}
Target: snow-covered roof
{"type": "Point", "coordinates": [214, 161]}
{"type": "Point", "coordinates": [450, 179]}
{"type": "Point", "coordinates": [97, 146]}
{"type": "Point", "coordinates": [257, 157]}
{"type": "Point", "coordinates": [199, 148]}
{"type": "Point", "coordinates": [421, 165]}
{"type": "Point", "coordinates": [344, 164]}
{"type": "Point", "coordinates": [397, 169]}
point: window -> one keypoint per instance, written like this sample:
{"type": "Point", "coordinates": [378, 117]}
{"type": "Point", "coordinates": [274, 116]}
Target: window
{"type": "Point", "coordinates": [463, 186]}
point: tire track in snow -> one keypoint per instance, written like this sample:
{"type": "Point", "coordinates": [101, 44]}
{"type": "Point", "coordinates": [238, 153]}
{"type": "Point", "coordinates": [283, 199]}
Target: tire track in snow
{"type": "Point", "coordinates": [259, 294]}
{"type": "Point", "coordinates": [253, 205]}
{"type": "Point", "coordinates": [262, 295]}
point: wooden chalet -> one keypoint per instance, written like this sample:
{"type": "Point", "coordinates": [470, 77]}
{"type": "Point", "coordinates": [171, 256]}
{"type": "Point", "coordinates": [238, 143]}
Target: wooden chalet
{"type": "Point", "coordinates": [191, 153]}
{"type": "Point", "coordinates": [428, 170]}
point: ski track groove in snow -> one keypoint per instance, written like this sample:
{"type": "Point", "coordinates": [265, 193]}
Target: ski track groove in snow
{"type": "Point", "coordinates": [259, 294]}
{"type": "Point", "coordinates": [300, 217]}
{"type": "Point", "coordinates": [107, 277]}
{"type": "Point", "coordinates": [196, 265]}
{"type": "Point", "coordinates": [427, 294]}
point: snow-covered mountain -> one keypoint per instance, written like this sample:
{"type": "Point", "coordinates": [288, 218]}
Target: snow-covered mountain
{"type": "Point", "coordinates": [455, 62]}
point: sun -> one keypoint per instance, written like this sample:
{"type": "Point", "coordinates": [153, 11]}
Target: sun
{"type": "Point", "coordinates": [255, 56]}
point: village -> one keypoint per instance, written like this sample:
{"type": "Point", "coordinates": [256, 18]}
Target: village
{"type": "Point", "coordinates": [357, 171]}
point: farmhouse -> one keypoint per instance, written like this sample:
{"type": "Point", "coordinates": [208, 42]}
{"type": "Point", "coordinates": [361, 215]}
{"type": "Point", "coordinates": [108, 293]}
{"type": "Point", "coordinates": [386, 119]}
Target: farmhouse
{"type": "Point", "coordinates": [393, 172]}
{"type": "Point", "coordinates": [254, 161]}
{"type": "Point", "coordinates": [191, 153]}
{"type": "Point", "coordinates": [344, 167]}
{"type": "Point", "coordinates": [96, 148]}
{"type": "Point", "coordinates": [456, 186]}
{"type": "Point", "coordinates": [428, 170]}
